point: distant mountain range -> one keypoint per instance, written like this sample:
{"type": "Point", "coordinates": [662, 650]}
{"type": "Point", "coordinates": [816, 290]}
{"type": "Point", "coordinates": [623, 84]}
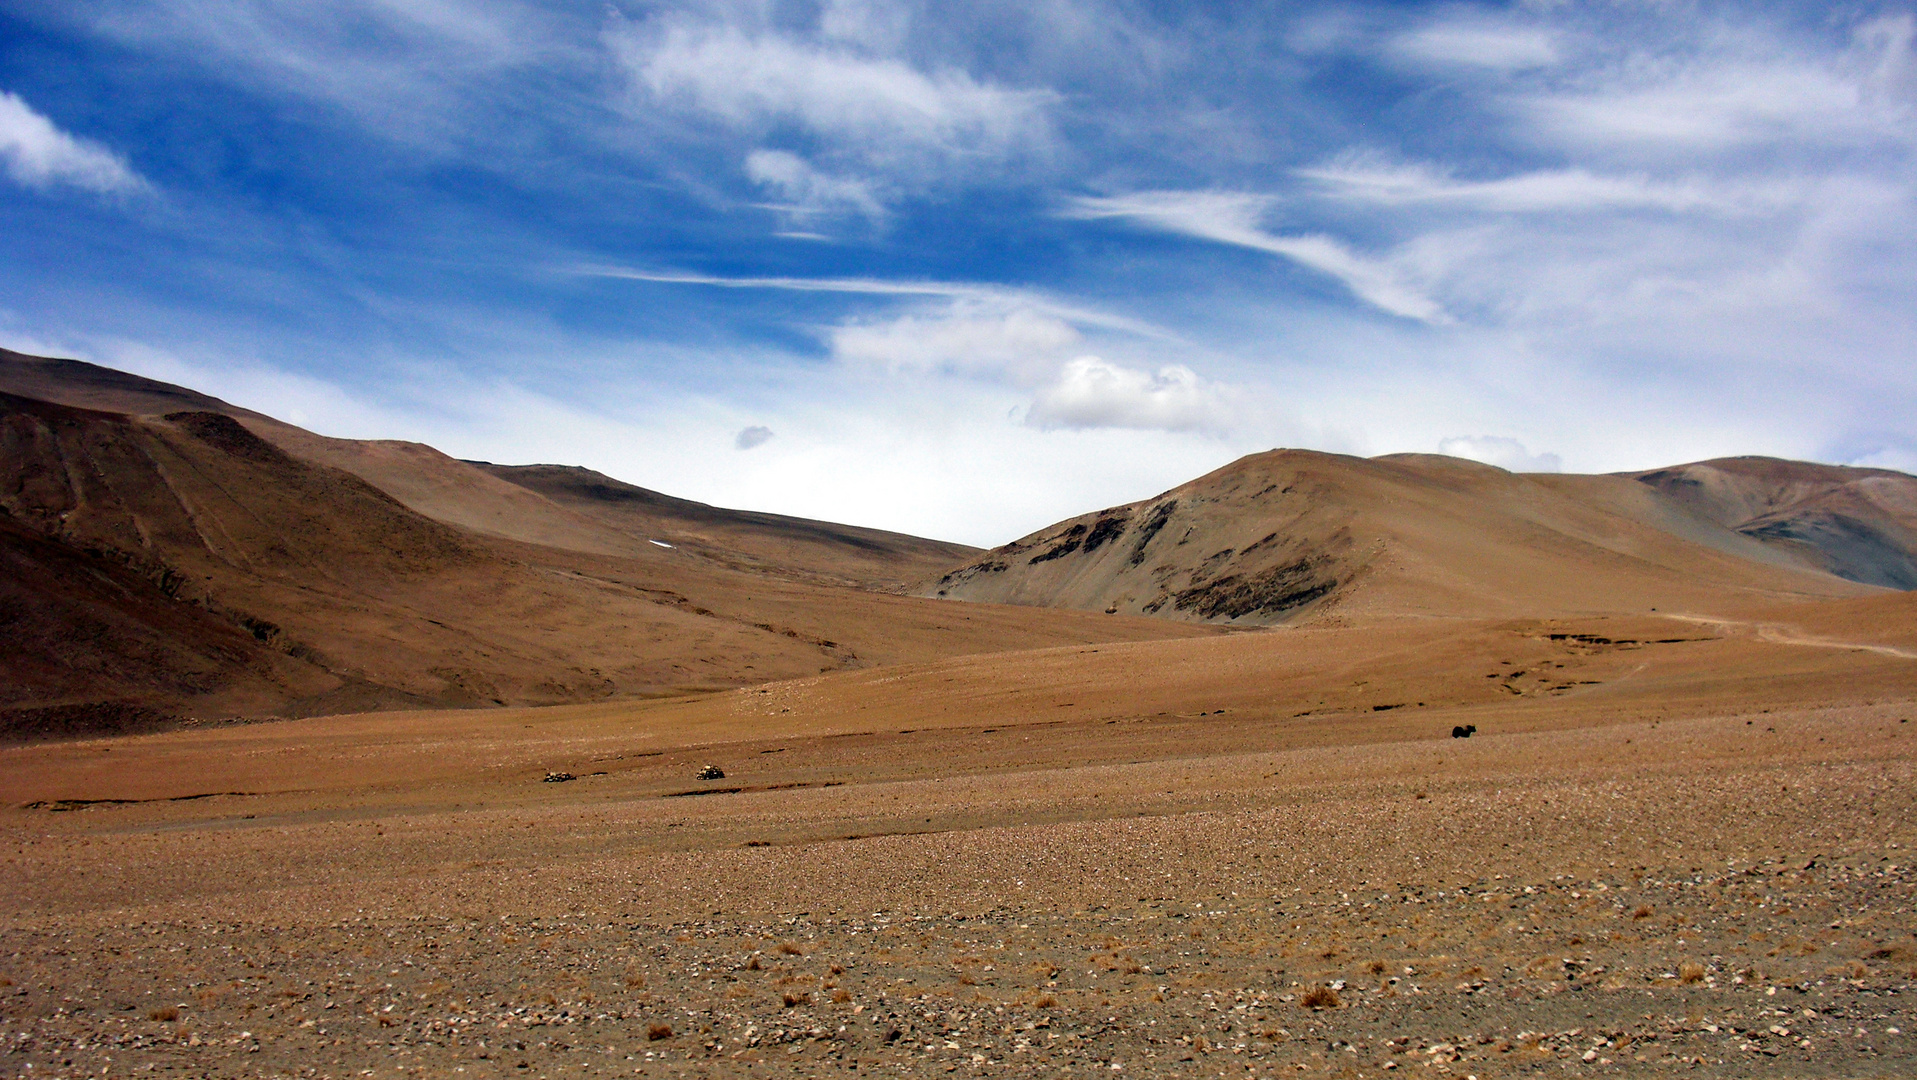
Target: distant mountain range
{"type": "Point", "coordinates": [168, 558]}
{"type": "Point", "coordinates": [1292, 534]}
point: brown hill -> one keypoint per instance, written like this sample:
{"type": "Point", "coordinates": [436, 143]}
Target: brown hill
{"type": "Point", "coordinates": [770, 543]}
{"type": "Point", "coordinates": [181, 565]}
{"type": "Point", "coordinates": [1274, 536]}
{"type": "Point", "coordinates": [1859, 524]}
{"type": "Point", "coordinates": [554, 506]}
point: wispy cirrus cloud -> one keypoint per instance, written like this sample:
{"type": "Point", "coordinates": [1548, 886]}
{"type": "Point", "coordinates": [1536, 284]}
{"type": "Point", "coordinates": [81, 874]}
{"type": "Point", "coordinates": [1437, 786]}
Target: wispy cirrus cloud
{"type": "Point", "coordinates": [838, 121]}
{"type": "Point", "coordinates": [1742, 91]}
{"type": "Point", "coordinates": [809, 193]}
{"type": "Point", "coordinates": [1235, 218]}
{"type": "Point", "coordinates": [427, 73]}
{"type": "Point", "coordinates": [1000, 296]}
{"type": "Point", "coordinates": [879, 106]}
{"type": "Point", "coordinates": [1370, 182]}
{"type": "Point", "coordinates": [40, 155]}
{"type": "Point", "coordinates": [1478, 44]}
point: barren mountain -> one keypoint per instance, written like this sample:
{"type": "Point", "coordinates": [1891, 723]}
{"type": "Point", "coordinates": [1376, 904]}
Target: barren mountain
{"type": "Point", "coordinates": [1274, 536]}
{"type": "Point", "coordinates": [553, 506]}
{"type": "Point", "coordinates": [1859, 524]}
{"type": "Point", "coordinates": [772, 543]}
{"type": "Point", "coordinates": [179, 565]}
{"type": "Point", "coordinates": [1567, 835]}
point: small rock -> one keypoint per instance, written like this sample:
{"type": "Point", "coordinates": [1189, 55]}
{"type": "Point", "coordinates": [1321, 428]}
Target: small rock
{"type": "Point", "coordinates": [711, 772]}
{"type": "Point", "coordinates": [558, 777]}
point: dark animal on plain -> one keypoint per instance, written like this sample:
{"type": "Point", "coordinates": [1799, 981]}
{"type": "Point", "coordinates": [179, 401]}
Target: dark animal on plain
{"type": "Point", "coordinates": [1463, 731]}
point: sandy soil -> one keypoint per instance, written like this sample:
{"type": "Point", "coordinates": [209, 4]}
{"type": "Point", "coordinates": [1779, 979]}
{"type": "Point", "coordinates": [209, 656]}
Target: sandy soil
{"type": "Point", "coordinates": [1690, 856]}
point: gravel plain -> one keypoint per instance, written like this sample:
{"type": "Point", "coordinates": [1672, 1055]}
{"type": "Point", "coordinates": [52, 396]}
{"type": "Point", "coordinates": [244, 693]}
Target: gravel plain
{"type": "Point", "coordinates": [1712, 896]}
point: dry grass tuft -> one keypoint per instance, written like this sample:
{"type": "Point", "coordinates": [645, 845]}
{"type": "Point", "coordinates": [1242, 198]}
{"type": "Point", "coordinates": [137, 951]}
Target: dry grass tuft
{"type": "Point", "coordinates": [165, 1015]}
{"type": "Point", "coordinates": [1046, 1001]}
{"type": "Point", "coordinates": [793, 999]}
{"type": "Point", "coordinates": [841, 997]}
{"type": "Point", "coordinates": [789, 949]}
{"type": "Point", "coordinates": [1644, 911]}
{"type": "Point", "coordinates": [754, 965]}
{"type": "Point", "coordinates": [1377, 967]}
{"type": "Point", "coordinates": [1690, 973]}
{"type": "Point", "coordinates": [655, 1032]}
{"type": "Point", "coordinates": [1320, 997]}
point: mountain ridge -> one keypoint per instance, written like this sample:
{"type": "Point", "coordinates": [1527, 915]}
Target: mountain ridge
{"type": "Point", "coordinates": [1291, 534]}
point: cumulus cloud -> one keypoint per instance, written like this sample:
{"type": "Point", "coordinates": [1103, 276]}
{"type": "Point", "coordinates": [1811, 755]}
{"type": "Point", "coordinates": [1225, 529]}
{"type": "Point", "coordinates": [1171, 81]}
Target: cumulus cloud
{"type": "Point", "coordinates": [1021, 345]}
{"type": "Point", "coordinates": [1507, 454]}
{"type": "Point", "coordinates": [1095, 393]}
{"type": "Point", "coordinates": [1234, 218]}
{"type": "Point", "coordinates": [755, 435]}
{"type": "Point", "coordinates": [40, 155]}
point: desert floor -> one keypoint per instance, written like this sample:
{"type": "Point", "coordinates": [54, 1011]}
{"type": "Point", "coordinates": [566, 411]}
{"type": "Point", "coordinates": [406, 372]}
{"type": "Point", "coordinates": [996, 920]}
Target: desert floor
{"type": "Point", "coordinates": [1672, 847]}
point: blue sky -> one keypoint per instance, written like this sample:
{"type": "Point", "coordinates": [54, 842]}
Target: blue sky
{"type": "Point", "coordinates": [963, 270]}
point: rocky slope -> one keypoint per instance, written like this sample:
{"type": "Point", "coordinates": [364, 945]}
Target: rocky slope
{"type": "Point", "coordinates": [1275, 536]}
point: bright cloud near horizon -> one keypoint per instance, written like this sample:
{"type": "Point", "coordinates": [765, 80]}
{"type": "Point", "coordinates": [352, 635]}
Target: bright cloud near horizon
{"type": "Point", "coordinates": [981, 268]}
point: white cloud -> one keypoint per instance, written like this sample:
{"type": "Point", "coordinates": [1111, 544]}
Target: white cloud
{"type": "Point", "coordinates": [1234, 218]}
{"type": "Point", "coordinates": [756, 435]}
{"type": "Point", "coordinates": [409, 70]}
{"type": "Point", "coordinates": [1508, 454]}
{"type": "Point", "coordinates": [985, 295]}
{"type": "Point", "coordinates": [876, 109]}
{"type": "Point", "coordinates": [1358, 180]}
{"type": "Point", "coordinates": [40, 155]}
{"type": "Point", "coordinates": [1882, 50]}
{"type": "Point", "coordinates": [1021, 345]}
{"type": "Point", "coordinates": [809, 193]}
{"type": "Point", "coordinates": [1482, 45]}
{"type": "Point", "coordinates": [1094, 393]}
{"type": "Point", "coordinates": [1709, 107]}
{"type": "Point", "coordinates": [1901, 459]}
{"type": "Point", "coordinates": [875, 24]}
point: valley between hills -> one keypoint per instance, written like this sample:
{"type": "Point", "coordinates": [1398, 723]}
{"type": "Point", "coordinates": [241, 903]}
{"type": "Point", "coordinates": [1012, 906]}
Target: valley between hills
{"type": "Point", "coordinates": [337, 758]}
